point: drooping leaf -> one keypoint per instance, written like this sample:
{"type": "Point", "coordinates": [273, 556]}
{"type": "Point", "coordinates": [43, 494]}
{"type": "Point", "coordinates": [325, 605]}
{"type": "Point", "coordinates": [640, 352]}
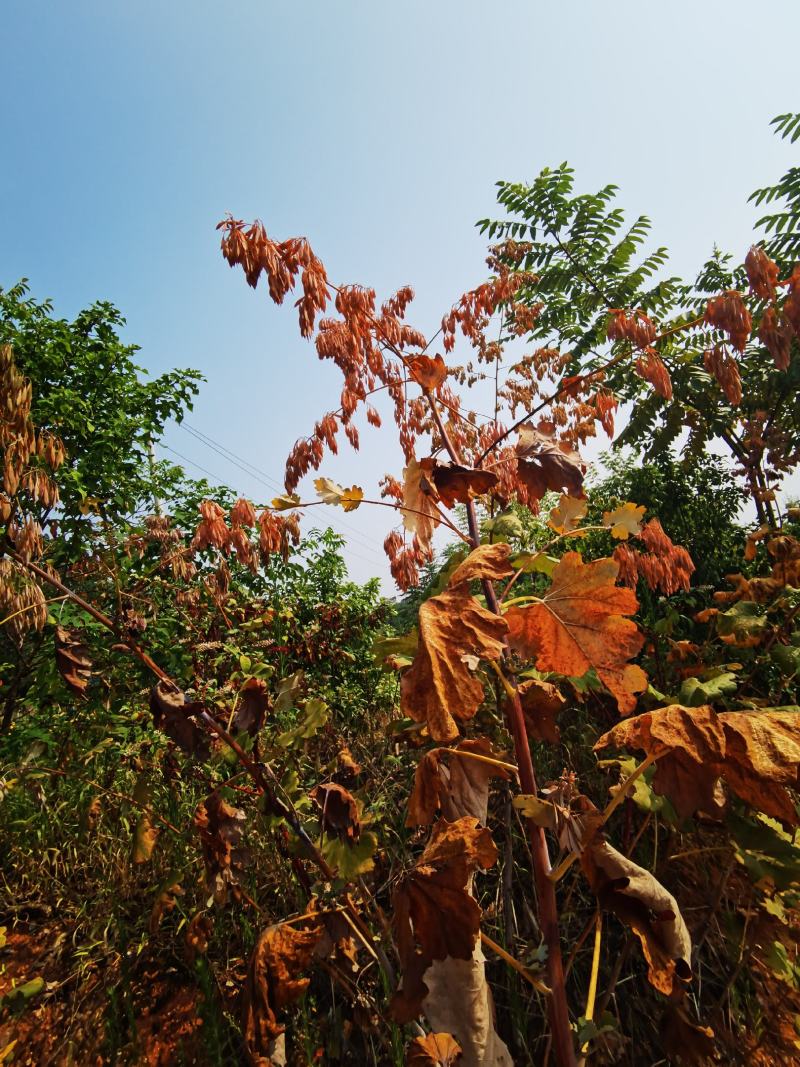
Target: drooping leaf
{"type": "Point", "coordinates": [429, 372]}
{"type": "Point", "coordinates": [455, 785]}
{"type": "Point", "coordinates": [541, 703]}
{"type": "Point", "coordinates": [281, 954]}
{"type": "Point", "coordinates": [251, 708]}
{"type": "Point", "coordinates": [350, 860]}
{"type": "Point", "coordinates": [435, 917]}
{"type": "Point", "coordinates": [338, 812]}
{"type": "Point", "coordinates": [173, 715]}
{"type": "Point", "coordinates": [440, 687]}
{"type": "Point", "coordinates": [544, 464]}
{"type": "Point", "coordinates": [459, 485]}
{"type": "Point", "coordinates": [72, 660]}
{"type": "Point", "coordinates": [636, 897]}
{"type": "Point", "coordinates": [579, 624]}
{"type": "Point", "coordinates": [221, 830]}
{"type": "Point", "coordinates": [756, 753]}
{"type": "Point", "coordinates": [420, 514]}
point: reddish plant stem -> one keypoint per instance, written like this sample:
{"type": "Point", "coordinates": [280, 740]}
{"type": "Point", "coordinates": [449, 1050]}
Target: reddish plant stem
{"type": "Point", "coordinates": [558, 1009]}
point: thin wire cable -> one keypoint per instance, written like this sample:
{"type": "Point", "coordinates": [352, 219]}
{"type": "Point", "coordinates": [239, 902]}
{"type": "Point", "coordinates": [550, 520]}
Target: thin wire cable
{"type": "Point", "coordinates": [221, 481]}
{"type": "Point", "coordinates": [349, 530]}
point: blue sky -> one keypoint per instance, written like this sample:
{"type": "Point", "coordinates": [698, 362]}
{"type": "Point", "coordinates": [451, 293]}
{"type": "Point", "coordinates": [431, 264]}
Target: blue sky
{"type": "Point", "coordinates": [376, 129]}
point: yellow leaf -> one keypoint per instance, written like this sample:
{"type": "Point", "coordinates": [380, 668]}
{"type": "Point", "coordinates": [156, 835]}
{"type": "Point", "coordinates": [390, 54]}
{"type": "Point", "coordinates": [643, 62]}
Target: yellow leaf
{"type": "Point", "coordinates": [285, 502]}
{"type": "Point", "coordinates": [331, 492]}
{"type": "Point", "coordinates": [566, 516]}
{"type": "Point", "coordinates": [625, 521]}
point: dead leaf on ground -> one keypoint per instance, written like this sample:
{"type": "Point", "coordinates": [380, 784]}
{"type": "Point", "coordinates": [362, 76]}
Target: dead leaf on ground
{"type": "Point", "coordinates": [580, 624]}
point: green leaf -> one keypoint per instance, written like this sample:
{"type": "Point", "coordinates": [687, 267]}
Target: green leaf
{"type": "Point", "coordinates": [349, 861]}
{"type": "Point", "coordinates": [316, 714]}
{"type": "Point", "coordinates": [694, 691]}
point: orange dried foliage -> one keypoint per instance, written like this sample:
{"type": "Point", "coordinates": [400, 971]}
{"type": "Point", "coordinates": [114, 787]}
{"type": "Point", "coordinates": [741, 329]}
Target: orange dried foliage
{"type": "Point", "coordinates": [728, 313]}
{"type": "Point", "coordinates": [721, 365]}
{"type": "Point", "coordinates": [636, 328]}
{"type": "Point", "coordinates": [756, 753]}
{"type": "Point", "coordinates": [651, 367]}
{"type": "Point", "coordinates": [440, 687]}
{"type": "Point", "coordinates": [435, 917]}
{"type": "Point", "coordinates": [580, 624]}
{"type": "Point", "coordinates": [666, 567]}
{"type": "Point", "coordinates": [762, 273]}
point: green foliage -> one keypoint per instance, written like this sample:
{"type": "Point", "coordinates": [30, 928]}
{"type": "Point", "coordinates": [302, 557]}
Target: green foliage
{"type": "Point", "coordinates": [783, 227]}
{"type": "Point", "coordinates": [88, 390]}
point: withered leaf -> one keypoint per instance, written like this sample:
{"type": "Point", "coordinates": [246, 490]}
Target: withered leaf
{"type": "Point", "coordinates": [642, 902]}
{"type": "Point", "coordinates": [439, 687]}
{"type": "Point", "coordinates": [434, 1050]}
{"type": "Point", "coordinates": [281, 954]}
{"type": "Point", "coordinates": [72, 660]}
{"type": "Point", "coordinates": [456, 484]}
{"type": "Point", "coordinates": [541, 703]}
{"type": "Point", "coordinates": [457, 786]}
{"type": "Point", "coordinates": [544, 464]}
{"type": "Point", "coordinates": [757, 753]}
{"type": "Point", "coordinates": [685, 1041]}
{"type": "Point", "coordinates": [420, 515]}
{"type": "Point", "coordinates": [198, 934]}
{"type": "Point", "coordinates": [579, 624]}
{"type": "Point", "coordinates": [428, 372]}
{"type": "Point", "coordinates": [145, 834]}
{"type": "Point", "coordinates": [338, 811]}
{"type": "Point", "coordinates": [435, 917]}
{"type": "Point", "coordinates": [174, 716]}
{"type": "Point", "coordinates": [251, 708]}
{"type": "Point", "coordinates": [221, 829]}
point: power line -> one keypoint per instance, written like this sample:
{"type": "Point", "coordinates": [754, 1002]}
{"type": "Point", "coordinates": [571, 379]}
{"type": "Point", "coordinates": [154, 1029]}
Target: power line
{"type": "Point", "coordinates": [222, 481]}
{"type": "Point", "coordinates": [350, 531]}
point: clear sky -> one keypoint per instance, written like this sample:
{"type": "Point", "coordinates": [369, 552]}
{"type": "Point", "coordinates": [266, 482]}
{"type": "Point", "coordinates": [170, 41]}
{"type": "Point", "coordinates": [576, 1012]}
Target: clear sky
{"type": "Point", "coordinates": [377, 130]}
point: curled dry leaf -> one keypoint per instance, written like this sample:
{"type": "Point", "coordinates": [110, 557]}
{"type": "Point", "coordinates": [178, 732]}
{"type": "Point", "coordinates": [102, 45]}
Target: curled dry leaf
{"type": "Point", "coordinates": [281, 954]}
{"type": "Point", "coordinates": [434, 1050]}
{"type": "Point", "coordinates": [429, 372]}
{"type": "Point", "coordinates": [72, 660]}
{"type": "Point", "coordinates": [541, 703]}
{"type": "Point", "coordinates": [640, 901]}
{"type": "Point", "coordinates": [338, 812]}
{"type": "Point", "coordinates": [545, 464]}
{"type": "Point", "coordinates": [456, 786]}
{"type": "Point", "coordinates": [756, 753]}
{"type": "Point", "coordinates": [420, 515]}
{"type": "Point", "coordinates": [579, 624]}
{"type": "Point", "coordinates": [145, 834]}
{"type": "Point", "coordinates": [435, 917]}
{"type": "Point", "coordinates": [251, 709]}
{"type": "Point", "coordinates": [684, 1041]}
{"type": "Point", "coordinates": [221, 829]}
{"type": "Point", "coordinates": [174, 716]}
{"type": "Point", "coordinates": [198, 934]}
{"type": "Point", "coordinates": [459, 485]}
{"type": "Point", "coordinates": [439, 687]}
{"type": "Point", "coordinates": [625, 521]}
